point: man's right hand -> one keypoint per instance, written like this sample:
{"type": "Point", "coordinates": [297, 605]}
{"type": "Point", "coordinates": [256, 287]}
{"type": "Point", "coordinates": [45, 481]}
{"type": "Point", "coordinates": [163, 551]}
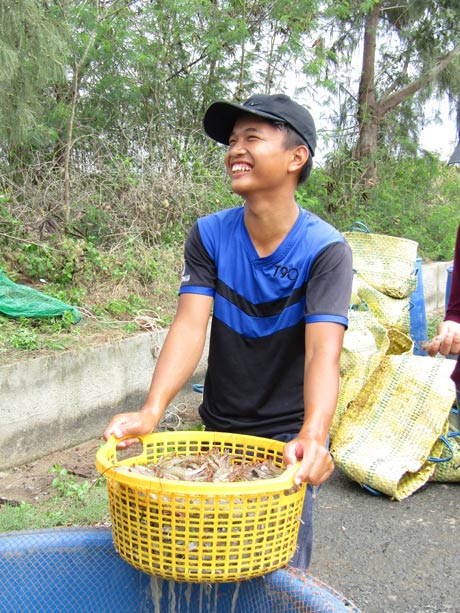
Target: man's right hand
{"type": "Point", "coordinates": [124, 424]}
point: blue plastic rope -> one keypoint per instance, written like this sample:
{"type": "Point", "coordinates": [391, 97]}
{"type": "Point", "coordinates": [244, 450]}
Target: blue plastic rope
{"type": "Point", "coordinates": [359, 226]}
{"type": "Point", "coordinates": [449, 446]}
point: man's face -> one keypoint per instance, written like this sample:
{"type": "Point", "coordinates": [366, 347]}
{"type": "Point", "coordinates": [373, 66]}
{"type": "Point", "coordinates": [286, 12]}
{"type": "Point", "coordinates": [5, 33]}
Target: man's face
{"type": "Point", "coordinates": [257, 159]}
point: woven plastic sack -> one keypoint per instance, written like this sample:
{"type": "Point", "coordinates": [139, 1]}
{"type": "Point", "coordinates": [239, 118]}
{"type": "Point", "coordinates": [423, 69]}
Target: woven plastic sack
{"type": "Point", "coordinates": [364, 345]}
{"type": "Point", "coordinates": [387, 263]}
{"type": "Point", "coordinates": [400, 343]}
{"type": "Point", "coordinates": [355, 300]}
{"type": "Point", "coordinates": [364, 338]}
{"type": "Point", "coordinates": [354, 378]}
{"type": "Point", "coordinates": [448, 468]}
{"type": "Point", "coordinates": [390, 312]}
{"type": "Point", "coordinates": [390, 430]}
{"type": "Point", "coordinates": [22, 301]}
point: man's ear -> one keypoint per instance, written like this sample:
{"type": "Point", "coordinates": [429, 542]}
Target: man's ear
{"type": "Point", "coordinates": [300, 157]}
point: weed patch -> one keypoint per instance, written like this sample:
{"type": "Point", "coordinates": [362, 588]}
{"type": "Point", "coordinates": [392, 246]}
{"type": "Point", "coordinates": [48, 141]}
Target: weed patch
{"type": "Point", "coordinates": [90, 510]}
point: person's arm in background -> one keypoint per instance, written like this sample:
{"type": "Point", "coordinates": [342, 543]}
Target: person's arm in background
{"type": "Point", "coordinates": [176, 363]}
{"type": "Point", "coordinates": [323, 342]}
{"type": "Point", "coordinates": [447, 340]}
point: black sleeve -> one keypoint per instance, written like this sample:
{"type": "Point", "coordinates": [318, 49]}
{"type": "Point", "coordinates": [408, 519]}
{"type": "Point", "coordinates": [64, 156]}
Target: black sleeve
{"type": "Point", "coordinates": [199, 268]}
{"type": "Point", "coordinates": [329, 285]}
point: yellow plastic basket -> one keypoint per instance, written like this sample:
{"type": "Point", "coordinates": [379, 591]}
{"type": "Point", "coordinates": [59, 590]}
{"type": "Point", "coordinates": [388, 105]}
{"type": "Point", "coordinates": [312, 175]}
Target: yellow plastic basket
{"type": "Point", "coordinates": [202, 532]}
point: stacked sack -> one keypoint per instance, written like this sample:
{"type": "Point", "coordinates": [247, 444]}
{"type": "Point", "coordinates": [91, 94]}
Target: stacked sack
{"type": "Point", "coordinates": [393, 406]}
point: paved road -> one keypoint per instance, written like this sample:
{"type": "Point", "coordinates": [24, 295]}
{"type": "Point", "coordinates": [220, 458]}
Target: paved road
{"type": "Point", "coordinates": [388, 556]}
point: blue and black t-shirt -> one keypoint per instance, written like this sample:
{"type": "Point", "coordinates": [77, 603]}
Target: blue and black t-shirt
{"type": "Point", "coordinates": [254, 380]}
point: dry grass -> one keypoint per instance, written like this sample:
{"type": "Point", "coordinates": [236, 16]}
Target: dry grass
{"type": "Point", "coordinates": [111, 309]}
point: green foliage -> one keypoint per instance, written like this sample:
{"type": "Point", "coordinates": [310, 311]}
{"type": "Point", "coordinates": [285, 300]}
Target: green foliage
{"type": "Point", "coordinates": [90, 510]}
{"type": "Point", "coordinates": [68, 266]}
{"type": "Point", "coordinates": [119, 291]}
{"type": "Point", "coordinates": [386, 112]}
{"type": "Point", "coordinates": [144, 95]}
{"type": "Point", "coordinates": [31, 52]}
{"type": "Point", "coordinates": [28, 334]}
{"type": "Point", "coordinates": [132, 306]}
{"type": "Point", "coordinates": [25, 338]}
{"type": "Point", "coordinates": [71, 295]}
{"type": "Point", "coordinates": [415, 198]}
{"type": "Point", "coordinates": [32, 334]}
{"type": "Point", "coordinates": [432, 325]}
{"type": "Point", "coordinates": [67, 485]}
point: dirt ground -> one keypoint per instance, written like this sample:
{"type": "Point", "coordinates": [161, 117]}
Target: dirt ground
{"type": "Point", "coordinates": [32, 482]}
{"type": "Point", "coordinates": [385, 556]}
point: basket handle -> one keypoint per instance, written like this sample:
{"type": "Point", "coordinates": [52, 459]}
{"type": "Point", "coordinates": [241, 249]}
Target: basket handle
{"type": "Point", "coordinates": [290, 471]}
{"type": "Point", "coordinates": [112, 442]}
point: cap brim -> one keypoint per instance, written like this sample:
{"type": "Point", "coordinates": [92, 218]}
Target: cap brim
{"type": "Point", "coordinates": [220, 118]}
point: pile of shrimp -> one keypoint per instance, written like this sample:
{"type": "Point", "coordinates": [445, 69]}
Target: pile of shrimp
{"type": "Point", "coordinates": [214, 466]}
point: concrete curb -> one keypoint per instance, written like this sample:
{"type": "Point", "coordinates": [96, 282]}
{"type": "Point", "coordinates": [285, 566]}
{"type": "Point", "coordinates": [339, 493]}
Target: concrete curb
{"type": "Point", "coordinates": [58, 401]}
{"type": "Point", "coordinates": [434, 277]}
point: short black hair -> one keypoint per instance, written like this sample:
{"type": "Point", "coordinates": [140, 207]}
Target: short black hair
{"type": "Point", "coordinates": [293, 139]}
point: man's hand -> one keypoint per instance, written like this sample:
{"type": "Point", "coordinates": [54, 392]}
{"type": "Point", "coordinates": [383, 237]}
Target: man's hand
{"type": "Point", "coordinates": [447, 340]}
{"type": "Point", "coordinates": [123, 424]}
{"type": "Point", "coordinates": [316, 465]}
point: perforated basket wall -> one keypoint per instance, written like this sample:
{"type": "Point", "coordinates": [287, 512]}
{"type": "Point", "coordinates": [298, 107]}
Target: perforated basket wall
{"type": "Point", "coordinates": [202, 532]}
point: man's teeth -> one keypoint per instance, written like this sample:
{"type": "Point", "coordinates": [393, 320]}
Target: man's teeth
{"type": "Point", "coordinates": [240, 168]}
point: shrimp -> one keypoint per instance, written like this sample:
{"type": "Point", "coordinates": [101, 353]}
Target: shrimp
{"type": "Point", "coordinates": [214, 466]}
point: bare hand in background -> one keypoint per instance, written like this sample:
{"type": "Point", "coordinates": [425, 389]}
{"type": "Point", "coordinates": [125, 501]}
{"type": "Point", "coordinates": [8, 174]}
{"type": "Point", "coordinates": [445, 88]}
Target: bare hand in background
{"type": "Point", "coordinates": [447, 340]}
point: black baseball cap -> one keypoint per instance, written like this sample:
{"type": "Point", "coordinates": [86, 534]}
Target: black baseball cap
{"type": "Point", "coordinates": [220, 117]}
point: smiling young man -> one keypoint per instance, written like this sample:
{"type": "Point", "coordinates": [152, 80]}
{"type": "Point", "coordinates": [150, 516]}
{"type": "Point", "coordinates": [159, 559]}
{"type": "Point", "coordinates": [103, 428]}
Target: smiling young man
{"type": "Point", "coordinates": [278, 282]}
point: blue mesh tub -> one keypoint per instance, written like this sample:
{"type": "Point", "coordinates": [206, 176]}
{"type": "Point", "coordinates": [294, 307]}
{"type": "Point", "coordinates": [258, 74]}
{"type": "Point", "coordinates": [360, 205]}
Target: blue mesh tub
{"type": "Point", "coordinates": [78, 569]}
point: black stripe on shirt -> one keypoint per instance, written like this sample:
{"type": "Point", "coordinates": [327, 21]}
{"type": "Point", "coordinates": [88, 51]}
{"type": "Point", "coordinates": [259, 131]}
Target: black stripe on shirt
{"type": "Point", "coordinates": [263, 309]}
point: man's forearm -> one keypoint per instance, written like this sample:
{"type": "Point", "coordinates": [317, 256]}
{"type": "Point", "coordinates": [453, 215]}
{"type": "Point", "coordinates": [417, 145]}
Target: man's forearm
{"type": "Point", "coordinates": [180, 353]}
{"type": "Point", "coordinates": [176, 363]}
{"type": "Point", "coordinates": [323, 346]}
{"type": "Point", "coordinates": [321, 388]}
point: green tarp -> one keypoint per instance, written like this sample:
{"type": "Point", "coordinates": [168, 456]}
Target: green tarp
{"type": "Point", "coordinates": [22, 301]}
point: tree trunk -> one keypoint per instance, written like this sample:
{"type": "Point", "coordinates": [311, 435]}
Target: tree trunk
{"type": "Point", "coordinates": [371, 111]}
{"type": "Point", "coordinates": [69, 142]}
{"type": "Point", "coordinates": [68, 147]}
{"type": "Point", "coordinates": [368, 116]}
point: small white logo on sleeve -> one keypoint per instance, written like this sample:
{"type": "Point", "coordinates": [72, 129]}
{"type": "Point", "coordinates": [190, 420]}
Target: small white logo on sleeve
{"type": "Point", "coordinates": [185, 277]}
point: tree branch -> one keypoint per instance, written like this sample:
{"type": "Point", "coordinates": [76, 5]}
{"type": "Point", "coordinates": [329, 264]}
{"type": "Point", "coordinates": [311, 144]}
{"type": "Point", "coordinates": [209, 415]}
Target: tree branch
{"type": "Point", "coordinates": [390, 102]}
{"type": "Point", "coordinates": [183, 69]}
{"type": "Point", "coordinates": [24, 240]}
